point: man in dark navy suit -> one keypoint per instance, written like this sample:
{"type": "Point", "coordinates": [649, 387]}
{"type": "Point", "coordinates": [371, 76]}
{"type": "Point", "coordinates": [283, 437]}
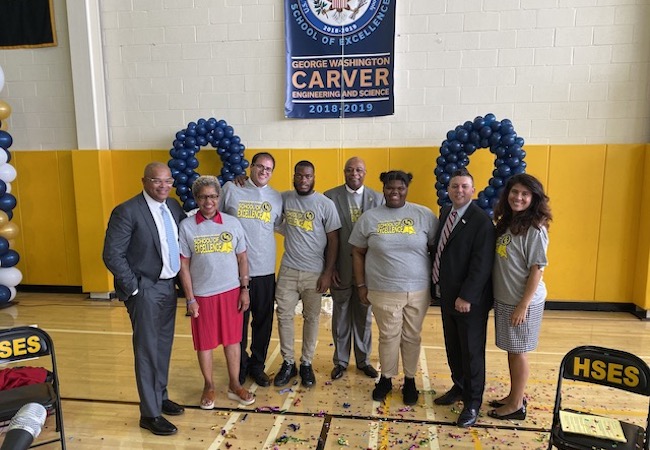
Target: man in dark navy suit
{"type": "Point", "coordinates": [463, 253]}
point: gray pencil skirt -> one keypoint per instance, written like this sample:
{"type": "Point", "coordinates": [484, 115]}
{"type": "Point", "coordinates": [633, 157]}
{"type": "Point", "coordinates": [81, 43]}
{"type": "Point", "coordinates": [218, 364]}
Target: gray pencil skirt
{"type": "Point", "coordinates": [522, 338]}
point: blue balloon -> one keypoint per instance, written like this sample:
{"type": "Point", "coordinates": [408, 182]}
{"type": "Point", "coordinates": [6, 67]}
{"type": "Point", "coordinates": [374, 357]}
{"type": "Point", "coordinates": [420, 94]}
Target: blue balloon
{"type": "Point", "coordinates": [444, 178]}
{"type": "Point", "coordinates": [237, 169]}
{"type": "Point", "coordinates": [451, 135]}
{"type": "Point", "coordinates": [439, 186]}
{"type": "Point", "coordinates": [189, 204]}
{"type": "Point", "coordinates": [5, 294]}
{"type": "Point", "coordinates": [234, 159]}
{"type": "Point", "coordinates": [182, 190]}
{"type": "Point", "coordinates": [483, 202]}
{"type": "Point", "coordinates": [442, 194]}
{"type": "Point", "coordinates": [9, 259]}
{"type": "Point", "coordinates": [485, 132]}
{"type": "Point", "coordinates": [452, 157]}
{"type": "Point", "coordinates": [462, 135]}
{"type": "Point", "coordinates": [182, 153]}
{"type": "Point", "coordinates": [229, 131]}
{"type": "Point", "coordinates": [496, 125]}
{"type": "Point", "coordinates": [5, 139]}
{"type": "Point", "coordinates": [438, 170]}
{"type": "Point", "coordinates": [4, 245]}
{"type": "Point", "coordinates": [469, 148]}
{"type": "Point", "coordinates": [455, 146]}
{"type": "Point", "coordinates": [192, 162]}
{"type": "Point", "coordinates": [441, 160]}
{"type": "Point", "coordinates": [504, 170]}
{"type": "Point", "coordinates": [3, 188]}
{"type": "Point", "coordinates": [181, 178]}
{"type": "Point", "coordinates": [451, 168]}
{"type": "Point", "coordinates": [7, 202]}
{"type": "Point", "coordinates": [496, 182]}
{"type": "Point", "coordinates": [479, 123]}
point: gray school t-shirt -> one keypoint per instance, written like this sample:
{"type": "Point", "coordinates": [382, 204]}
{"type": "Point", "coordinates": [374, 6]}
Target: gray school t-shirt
{"type": "Point", "coordinates": [397, 240]}
{"type": "Point", "coordinates": [514, 257]}
{"type": "Point", "coordinates": [213, 249]}
{"type": "Point", "coordinates": [307, 220]}
{"type": "Point", "coordinates": [259, 211]}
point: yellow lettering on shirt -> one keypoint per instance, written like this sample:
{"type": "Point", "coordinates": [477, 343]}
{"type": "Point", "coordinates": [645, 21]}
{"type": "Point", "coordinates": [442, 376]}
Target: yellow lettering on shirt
{"type": "Point", "coordinates": [213, 244]}
{"type": "Point", "coordinates": [254, 210]}
{"type": "Point", "coordinates": [355, 213]}
{"type": "Point", "coordinates": [404, 226]}
{"type": "Point", "coordinates": [304, 221]}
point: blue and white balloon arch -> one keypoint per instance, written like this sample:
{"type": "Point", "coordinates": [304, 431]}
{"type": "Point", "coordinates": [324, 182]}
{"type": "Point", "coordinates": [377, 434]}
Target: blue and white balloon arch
{"type": "Point", "coordinates": [188, 143]}
{"type": "Point", "coordinates": [484, 132]}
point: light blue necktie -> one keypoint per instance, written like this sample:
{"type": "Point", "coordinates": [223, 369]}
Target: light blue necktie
{"type": "Point", "coordinates": [172, 243]}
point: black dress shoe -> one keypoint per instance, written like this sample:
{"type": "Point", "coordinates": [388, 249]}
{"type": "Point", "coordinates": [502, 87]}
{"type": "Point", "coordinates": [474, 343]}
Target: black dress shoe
{"type": "Point", "coordinates": [409, 392]}
{"type": "Point", "coordinates": [261, 379]}
{"type": "Point", "coordinates": [287, 371]}
{"type": "Point", "coordinates": [467, 417]}
{"type": "Point", "coordinates": [520, 414]}
{"type": "Point", "coordinates": [369, 371]}
{"type": "Point", "coordinates": [307, 375]}
{"type": "Point", "coordinates": [337, 371]}
{"type": "Point", "coordinates": [172, 408]}
{"type": "Point", "coordinates": [158, 425]}
{"type": "Point", "coordinates": [450, 397]}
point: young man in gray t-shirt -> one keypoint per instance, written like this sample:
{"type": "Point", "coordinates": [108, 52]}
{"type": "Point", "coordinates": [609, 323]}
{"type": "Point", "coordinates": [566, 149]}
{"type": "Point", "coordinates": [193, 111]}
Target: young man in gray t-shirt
{"type": "Point", "coordinates": [311, 226]}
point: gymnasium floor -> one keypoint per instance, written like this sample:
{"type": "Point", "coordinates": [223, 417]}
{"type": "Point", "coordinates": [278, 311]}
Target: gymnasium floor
{"type": "Point", "coordinates": [93, 345]}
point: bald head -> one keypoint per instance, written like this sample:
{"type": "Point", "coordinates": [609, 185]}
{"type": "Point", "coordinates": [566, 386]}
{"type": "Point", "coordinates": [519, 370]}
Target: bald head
{"type": "Point", "coordinates": [355, 172]}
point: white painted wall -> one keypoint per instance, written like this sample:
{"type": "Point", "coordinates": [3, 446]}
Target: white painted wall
{"type": "Point", "coordinates": [564, 71]}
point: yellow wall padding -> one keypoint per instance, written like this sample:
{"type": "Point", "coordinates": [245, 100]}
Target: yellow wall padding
{"type": "Point", "coordinates": [599, 249]}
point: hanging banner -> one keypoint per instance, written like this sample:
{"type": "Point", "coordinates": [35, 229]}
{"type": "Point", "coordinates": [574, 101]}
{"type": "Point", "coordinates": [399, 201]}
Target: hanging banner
{"type": "Point", "coordinates": [27, 24]}
{"type": "Point", "coordinates": [339, 58]}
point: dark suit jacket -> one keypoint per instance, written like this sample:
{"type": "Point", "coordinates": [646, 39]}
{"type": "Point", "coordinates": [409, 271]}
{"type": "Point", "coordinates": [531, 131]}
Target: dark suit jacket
{"type": "Point", "coordinates": [132, 246]}
{"type": "Point", "coordinates": [466, 261]}
{"type": "Point", "coordinates": [339, 196]}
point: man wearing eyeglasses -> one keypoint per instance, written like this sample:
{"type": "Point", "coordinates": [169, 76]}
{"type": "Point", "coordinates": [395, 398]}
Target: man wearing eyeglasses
{"type": "Point", "coordinates": [259, 209]}
{"type": "Point", "coordinates": [141, 251]}
{"type": "Point", "coordinates": [351, 320]}
{"type": "Point", "coordinates": [311, 226]}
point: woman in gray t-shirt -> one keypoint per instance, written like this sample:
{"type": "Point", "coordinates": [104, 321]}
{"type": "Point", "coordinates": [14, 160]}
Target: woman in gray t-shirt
{"type": "Point", "coordinates": [522, 221]}
{"type": "Point", "coordinates": [392, 270]}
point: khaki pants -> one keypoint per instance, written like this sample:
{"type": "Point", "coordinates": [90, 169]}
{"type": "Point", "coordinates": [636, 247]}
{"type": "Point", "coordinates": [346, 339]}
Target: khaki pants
{"type": "Point", "coordinates": [399, 317]}
{"type": "Point", "coordinates": [292, 286]}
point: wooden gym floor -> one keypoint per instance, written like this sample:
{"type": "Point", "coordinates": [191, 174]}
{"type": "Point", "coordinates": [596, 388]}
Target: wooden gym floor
{"type": "Point", "coordinates": [93, 346]}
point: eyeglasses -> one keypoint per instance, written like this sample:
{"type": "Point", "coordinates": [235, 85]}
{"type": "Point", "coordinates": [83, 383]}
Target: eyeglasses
{"type": "Point", "coordinates": [263, 168]}
{"type": "Point", "coordinates": [159, 182]}
{"type": "Point", "coordinates": [203, 198]}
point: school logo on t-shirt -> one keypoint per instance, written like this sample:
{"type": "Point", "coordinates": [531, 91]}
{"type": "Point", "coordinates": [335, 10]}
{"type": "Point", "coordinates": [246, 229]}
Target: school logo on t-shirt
{"type": "Point", "coordinates": [254, 210]}
{"type": "Point", "coordinates": [404, 226]}
{"type": "Point", "coordinates": [213, 244]}
{"type": "Point", "coordinates": [355, 213]}
{"type": "Point", "coordinates": [502, 243]}
{"type": "Point", "coordinates": [304, 221]}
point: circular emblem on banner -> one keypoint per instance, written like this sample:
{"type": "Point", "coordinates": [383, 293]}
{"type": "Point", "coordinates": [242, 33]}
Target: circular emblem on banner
{"type": "Point", "coordinates": [339, 17]}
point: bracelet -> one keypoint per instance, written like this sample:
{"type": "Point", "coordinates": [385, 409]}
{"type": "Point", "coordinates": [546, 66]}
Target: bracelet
{"type": "Point", "coordinates": [245, 288]}
{"type": "Point", "coordinates": [359, 286]}
{"type": "Point", "coordinates": [189, 301]}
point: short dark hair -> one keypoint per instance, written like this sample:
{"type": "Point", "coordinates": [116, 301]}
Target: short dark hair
{"type": "Point", "coordinates": [392, 175]}
{"type": "Point", "coordinates": [304, 163]}
{"type": "Point", "coordinates": [263, 155]}
{"type": "Point", "coordinates": [462, 172]}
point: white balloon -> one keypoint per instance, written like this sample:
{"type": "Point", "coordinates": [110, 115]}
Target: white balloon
{"type": "Point", "coordinates": [2, 79]}
{"type": "Point", "coordinates": [12, 289]}
{"type": "Point", "coordinates": [7, 173]}
{"type": "Point", "coordinates": [8, 190]}
{"type": "Point", "coordinates": [3, 155]}
{"type": "Point", "coordinates": [10, 276]}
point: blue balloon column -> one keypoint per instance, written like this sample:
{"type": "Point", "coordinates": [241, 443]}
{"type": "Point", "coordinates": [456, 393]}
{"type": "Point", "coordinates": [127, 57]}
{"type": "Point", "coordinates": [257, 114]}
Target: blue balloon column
{"type": "Point", "coordinates": [187, 144]}
{"type": "Point", "coordinates": [10, 276]}
{"type": "Point", "coordinates": [484, 132]}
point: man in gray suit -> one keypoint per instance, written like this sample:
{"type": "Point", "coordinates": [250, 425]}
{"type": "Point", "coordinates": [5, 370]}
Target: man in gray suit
{"type": "Point", "coordinates": [141, 251]}
{"type": "Point", "coordinates": [351, 320]}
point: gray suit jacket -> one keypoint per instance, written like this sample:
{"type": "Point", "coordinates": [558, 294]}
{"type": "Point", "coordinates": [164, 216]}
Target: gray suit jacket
{"type": "Point", "coordinates": [371, 199]}
{"type": "Point", "coordinates": [132, 246]}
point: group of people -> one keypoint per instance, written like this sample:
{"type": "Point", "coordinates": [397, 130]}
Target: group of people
{"type": "Point", "coordinates": [376, 254]}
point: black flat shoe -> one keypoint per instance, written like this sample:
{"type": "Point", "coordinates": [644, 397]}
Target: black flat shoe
{"type": "Point", "coordinates": [158, 425]}
{"type": "Point", "coordinates": [520, 414]}
{"type": "Point", "coordinates": [172, 408]}
{"type": "Point", "coordinates": [498, 404]}
{"type": "Point", "coordinates": [261, 379]}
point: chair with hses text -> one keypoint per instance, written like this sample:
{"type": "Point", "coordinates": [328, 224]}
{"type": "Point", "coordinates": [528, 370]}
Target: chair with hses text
{"type": "Point", "coordinates": [581, 430]}
{"type": "Point", "coordinates": [16, 346]}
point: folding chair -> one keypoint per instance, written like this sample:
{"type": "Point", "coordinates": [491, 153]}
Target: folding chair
{"type": "Point", "coordinates": [20, 344]}
{"type": "Point", "coordinates": [607, 367]}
